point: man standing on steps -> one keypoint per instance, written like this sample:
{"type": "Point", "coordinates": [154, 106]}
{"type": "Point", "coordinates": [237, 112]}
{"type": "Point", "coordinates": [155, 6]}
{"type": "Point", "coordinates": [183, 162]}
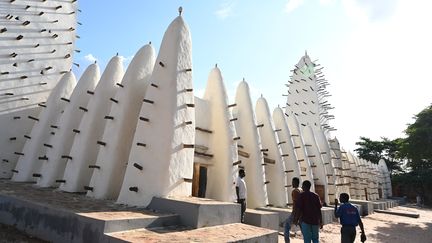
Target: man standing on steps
{"type": "Point", "coordinates": [241, 192]}
{"type": "Point", "coordinates": [309, 214]}
{"type": "Point", "coordinates": [349, 219]}
{"type": "Point", "coordinates": [294, 195]}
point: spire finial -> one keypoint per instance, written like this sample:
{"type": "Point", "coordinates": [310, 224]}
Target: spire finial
{"type": "Point", "coordinates": [149, 42]}
{"type": "Point", "coordinates": [180, 10]}
{"type": "Point", "coordinates": [117, 54]}
{"type": "Point", "coordinates": [244, 79]}
{"type": "Point", "coordinates": [305, 52]}
{"type": "Point", "coordinates": [216, 65]}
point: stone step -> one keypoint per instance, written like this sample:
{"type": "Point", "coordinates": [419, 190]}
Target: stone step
{"type": "Point", "coordinates": [236, 232]}
{"type": "Point", "coordinates": [198, 212]}
{"type": "Point", "coordinates": [399, 213]}
{"type": "Point", "coordinates": [129, 220]}
{"type": "Point", "coordinates": [327, 214]}
{"type": "Point", "coordinates": [260, 218]}
{"type": "Point", "coordinates": [366, 207]}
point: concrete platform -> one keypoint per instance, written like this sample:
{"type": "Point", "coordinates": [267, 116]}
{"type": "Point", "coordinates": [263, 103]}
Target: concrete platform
{"type": "Point", "coordinates": [65, 217]}
{"type": "Point", "coordinates": [327, 213]}
{"type": "Point", "coordinates": [380, 205]}
{"type": "Point", "coordinates": [56, 216]}
{"type": "Point", "coordinates": [359, 207]}
{"type": "Point", "coordinates": [283, 214]}
{"type": "Point", "coordinates": [367, 207]}
{"type": "Point", "coordinates": [199, 212]}
{"type": "Point", "coordinates": [399, 213]}
{"type": "Point", "coordinates": [259, 218]}
{"type": "Point", "coordinates": [223, 233]}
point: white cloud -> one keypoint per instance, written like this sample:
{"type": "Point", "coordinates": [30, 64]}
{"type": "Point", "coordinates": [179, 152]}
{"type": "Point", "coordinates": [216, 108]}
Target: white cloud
{"type": "Point", "coordinates": [126, 60]}
{"type": "Point", "coordinates": [291, 5]}
{"type": "Point", "coordinates": [369, 10]}
{"type": "Point", "coordinates": [382, 74]}
{"type": "Point", "coordinates": [225, 10]}
{"type": "Point", "coordinates": [327, 2]}
{"type": "Point", "coordinates": [90, 58]}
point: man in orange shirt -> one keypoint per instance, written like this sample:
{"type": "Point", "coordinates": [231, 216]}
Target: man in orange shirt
{"type": "Point", "coordinates": [294, 195]}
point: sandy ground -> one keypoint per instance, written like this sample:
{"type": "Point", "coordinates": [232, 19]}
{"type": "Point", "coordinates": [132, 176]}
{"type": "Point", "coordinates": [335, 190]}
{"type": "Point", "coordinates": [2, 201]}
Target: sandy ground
{"type": "Point", "coordinates": [381, 227]}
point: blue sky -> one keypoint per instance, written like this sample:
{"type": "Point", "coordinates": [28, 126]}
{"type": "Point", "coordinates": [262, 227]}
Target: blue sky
{"type": "Point", "coordinates": [373, 52]}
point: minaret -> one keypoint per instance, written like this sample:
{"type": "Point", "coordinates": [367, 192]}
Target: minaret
{"type": "Point", "coordinates": [274, 162]}
{"type": "Point", "coordinates": [161, 157]}
{"type": "Point", "coordinates": [88, 138]}
{"type": "Point", "coordinates": [33, 153]}
{"type": "Point", "coordinates": [59, 144]}
{"type": "Point", "coordinates": [222, 142]}
{"type": "Point", "coordinates": [108, 171]}
{"type": "Point", "coordinates": [249, 147]}
{"type": "Point", "coordinates": [307, 96]}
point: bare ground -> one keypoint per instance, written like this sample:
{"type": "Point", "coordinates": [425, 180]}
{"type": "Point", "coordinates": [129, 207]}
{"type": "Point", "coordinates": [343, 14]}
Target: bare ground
{"type": "Point", "coordinates": [382, 228]}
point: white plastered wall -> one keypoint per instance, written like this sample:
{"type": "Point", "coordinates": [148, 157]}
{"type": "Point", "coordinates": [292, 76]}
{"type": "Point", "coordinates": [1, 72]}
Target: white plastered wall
{"type": "Point", "coordinates": [299, 146]}
{"type": "Point", "coordinates": [292, 168]}
{"type": "Point", "coordinates": [316, 162]}
{"type": "Point", "coordinates": [61, 142]}
{"type": "Point", "coordinates": [37, 48]}
{"type": "Point", "coordinates": [276, 178]}
{"type": "Point", "coordinates": [86, 143]}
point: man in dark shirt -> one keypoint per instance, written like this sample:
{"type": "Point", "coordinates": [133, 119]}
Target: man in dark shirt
{"type": "Point", "coordinates": [349, 218]}
{"type": "Point", "coordinates": [309, 214]}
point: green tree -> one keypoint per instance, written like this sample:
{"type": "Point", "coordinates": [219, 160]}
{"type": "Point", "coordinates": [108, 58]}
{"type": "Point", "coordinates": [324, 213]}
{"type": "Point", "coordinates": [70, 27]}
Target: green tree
{"type": "Point", "coordinates": [386, 149]}
{"type": "Point", "coordinates": [369, 149]}
{"type": "Point", "coordinates": [417, 147]}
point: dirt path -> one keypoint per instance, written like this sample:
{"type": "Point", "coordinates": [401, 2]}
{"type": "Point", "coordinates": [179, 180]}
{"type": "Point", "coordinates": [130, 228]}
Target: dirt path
{"type": "Point", "coordinates": [381, 228]}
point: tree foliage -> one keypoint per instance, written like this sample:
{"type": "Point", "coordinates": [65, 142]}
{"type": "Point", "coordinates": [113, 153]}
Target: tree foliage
{"type": "Point", "coordinates": [388, 150]}
{"type": "Point", "coordinates": [417, 147]}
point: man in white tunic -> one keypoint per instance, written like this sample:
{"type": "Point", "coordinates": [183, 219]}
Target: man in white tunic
{"type": "Point", "coordinates": [241, 192]}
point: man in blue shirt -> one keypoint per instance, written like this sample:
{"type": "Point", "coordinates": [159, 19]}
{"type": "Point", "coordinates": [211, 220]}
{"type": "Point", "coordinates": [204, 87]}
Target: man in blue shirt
{"type": "Point", "coordinates": [349, 218]}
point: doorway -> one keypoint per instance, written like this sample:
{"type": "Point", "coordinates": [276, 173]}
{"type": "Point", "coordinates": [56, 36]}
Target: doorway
{"type": "Point", "coordinates": [199, 180]}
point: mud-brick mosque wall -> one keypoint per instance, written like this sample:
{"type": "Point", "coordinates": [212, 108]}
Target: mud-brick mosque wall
{"type": "Point", "coordinates": [37, 47]}
{"type": "Point", "coordinates": [153, 135]}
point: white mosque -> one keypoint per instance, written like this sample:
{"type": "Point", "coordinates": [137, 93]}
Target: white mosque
{"type": "Point", "coordinates": [135, 133]}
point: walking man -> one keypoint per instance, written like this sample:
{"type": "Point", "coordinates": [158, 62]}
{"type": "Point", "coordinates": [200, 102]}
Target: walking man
{"type": "Point", "coordinates": [349, 218]}
{"type": "Point", "coordinates": [294, 195]}
{"type": "Point", "coordinates": [309, 214]}
{"type": "Point", "coordinates": [241, 192]}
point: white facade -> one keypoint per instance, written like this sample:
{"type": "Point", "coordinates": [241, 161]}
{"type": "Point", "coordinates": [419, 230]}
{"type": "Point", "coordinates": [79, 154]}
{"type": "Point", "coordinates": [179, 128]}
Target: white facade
{"type": "Point", "coordinates": [85, 133]}
{"type": "Point", "coordinates": [60, 143]}
{"type": "Point", "coordinates": [111, 161]}
{"type": "Point", "coordinates": [139, 135]}
{"type": "Point", "coordinates": [38, 42]}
